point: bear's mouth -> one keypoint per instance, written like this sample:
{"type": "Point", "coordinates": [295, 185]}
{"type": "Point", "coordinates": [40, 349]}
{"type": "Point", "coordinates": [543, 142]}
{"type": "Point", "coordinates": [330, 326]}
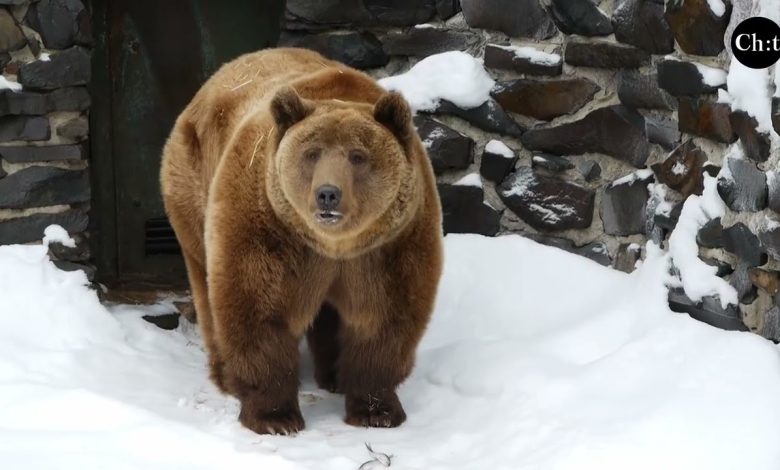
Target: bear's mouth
{"type": "Point", "coordinates": [328, 217]}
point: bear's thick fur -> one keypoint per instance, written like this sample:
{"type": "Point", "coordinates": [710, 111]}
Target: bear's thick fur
{"type": "Point", "coordinates": [304, 204]}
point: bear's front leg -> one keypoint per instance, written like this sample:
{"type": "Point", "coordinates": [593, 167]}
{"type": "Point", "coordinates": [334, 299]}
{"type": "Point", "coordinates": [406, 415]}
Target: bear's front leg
{"type": "Point", "coordinates": [384, 316]}
{"type": "Point", "coordinates": [258, 348]}
{"type": "Point", "coordinates": [261, 370]}
{"type": "Point", "coordinates": [370, 370]}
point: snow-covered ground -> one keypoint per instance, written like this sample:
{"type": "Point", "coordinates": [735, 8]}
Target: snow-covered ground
{"type": "Point", "coordinates": [535, 359]}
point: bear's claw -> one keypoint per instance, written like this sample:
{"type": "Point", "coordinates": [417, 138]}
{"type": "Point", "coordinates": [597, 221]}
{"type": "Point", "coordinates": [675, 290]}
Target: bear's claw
{"type": "Point", "coordinates": [280, 423]}
{"type": "Point", "coordinates": [375, 411]}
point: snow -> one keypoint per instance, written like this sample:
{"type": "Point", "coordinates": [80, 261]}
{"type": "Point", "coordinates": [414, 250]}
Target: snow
{"type": "Point", "coordinates": [710, 75]}
{"type": "Point", "coordinates": [631, 178]}
{"type": "Point", "coordinates": [431, 138]}
{"type": "Point", "coordinates": [658, 199]}
{"type": "Point", "coordinates": [57, 234]}
{"type": "Point", "coordinates": [717, 7]}
{"type": "Point", "coordinates": [521, 183]}
{"type": "Point", "coordinates": [698, 278]}
{"type": "Point", "coordinates": [723, 96]}
{"type": "Point", "coordinates": [497, 147]}
{"type": "Point", "coordinates": [750, 90]}
{"type": "Point", "coordinates": [533, 54]}
{"type": "Point", "coordinates": [769, 224]}
{"type": "Point", "coordinates": [472, 179]}
{"type": "Point", "coordinates": [6, 84]}
{"type": "Point", "coordinates": [777, 77]}
{"type": "Point", "coordinates": [552, 212]}
{"type": "Point", "coordinates": [453, 76]}
{"type": "Point", "coordinates": [44, 57]}
{"type": "Point", "coordinates": [534, 359]}
{"type": "Point", "coordinates": [678, 168]}
{"type": "Point", "coordinates": [43, 309]}
{"type": "Point", "coordinates": [733, 152]}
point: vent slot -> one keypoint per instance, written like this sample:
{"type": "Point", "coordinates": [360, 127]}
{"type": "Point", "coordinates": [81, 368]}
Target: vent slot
{"type": "Point", "coordinates": [159, 238]}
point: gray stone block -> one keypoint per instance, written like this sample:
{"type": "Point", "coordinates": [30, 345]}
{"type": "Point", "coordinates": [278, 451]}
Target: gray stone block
{"type": "Point", "coordinates": [623, 207]}
{"type": "Point", "coordinates": [31, 128]}
{"type": "Point", "coordinates": [67, 68]}
{"type": "Point", "coordinates": [46, 153]}
{"type": "Point", "coordinates": [40, 186]}
{"type": "Point", "coordinates": [617, 131]}
{"type": "Point", "coordinates": [547, 203]}
{"type": "Point", "coordinates": [30, 228]}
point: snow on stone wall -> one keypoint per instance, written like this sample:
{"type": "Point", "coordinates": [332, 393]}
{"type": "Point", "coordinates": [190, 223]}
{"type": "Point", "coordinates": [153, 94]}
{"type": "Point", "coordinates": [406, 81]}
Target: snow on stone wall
{"type": "Point", "coordinates": [587, 93]}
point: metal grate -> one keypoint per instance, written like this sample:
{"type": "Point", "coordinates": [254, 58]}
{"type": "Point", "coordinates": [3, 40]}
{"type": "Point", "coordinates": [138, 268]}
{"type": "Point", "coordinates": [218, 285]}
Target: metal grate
{"type": "Point", "coordinates": [160, 238]}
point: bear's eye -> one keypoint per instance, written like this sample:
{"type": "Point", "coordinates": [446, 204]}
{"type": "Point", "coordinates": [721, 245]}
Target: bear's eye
{"type": "Point", "coordinates": [357, 157]}
{"type": "Point", "coordinates": [311, 155]}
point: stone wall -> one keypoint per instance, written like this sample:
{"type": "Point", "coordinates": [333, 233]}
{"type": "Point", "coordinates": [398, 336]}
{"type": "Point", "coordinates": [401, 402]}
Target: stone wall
{"type": "Point", "coordinates": [611, 114]}
{"type": "Point", "coordinates": [44, 126]}
{"type": "Point", "coordinates": [605, 117]}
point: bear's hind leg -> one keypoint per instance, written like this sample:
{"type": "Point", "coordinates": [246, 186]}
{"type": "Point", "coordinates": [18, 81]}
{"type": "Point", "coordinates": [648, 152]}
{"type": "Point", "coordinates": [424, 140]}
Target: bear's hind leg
{"type": "Point", "coordinates": [323, 339]}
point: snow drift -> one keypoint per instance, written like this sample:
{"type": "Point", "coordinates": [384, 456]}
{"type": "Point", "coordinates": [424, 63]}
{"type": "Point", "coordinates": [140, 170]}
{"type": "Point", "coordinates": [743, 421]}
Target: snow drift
{"type": "Point", "coordinates": [534, 359]}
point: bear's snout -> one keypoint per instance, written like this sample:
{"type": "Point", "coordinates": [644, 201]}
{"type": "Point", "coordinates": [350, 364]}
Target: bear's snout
{"type": "Point", "coordinates": [328, 197]}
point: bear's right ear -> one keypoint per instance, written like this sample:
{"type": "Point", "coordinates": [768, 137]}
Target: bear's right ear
{"type": "Point", "coordinates": [393, 112]}
{"type": "Point", "coordinates": [288, 108]}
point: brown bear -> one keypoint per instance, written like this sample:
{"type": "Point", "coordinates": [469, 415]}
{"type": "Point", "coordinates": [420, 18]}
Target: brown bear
{"type": "Point", "coordinates": [305, 204]}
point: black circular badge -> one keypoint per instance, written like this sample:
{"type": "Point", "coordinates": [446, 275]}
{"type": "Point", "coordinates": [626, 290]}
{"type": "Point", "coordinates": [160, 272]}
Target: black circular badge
{"type": "Point", "coordinates": [755, 42]}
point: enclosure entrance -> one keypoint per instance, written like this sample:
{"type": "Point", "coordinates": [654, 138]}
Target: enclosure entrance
{"type": "Point", "coordinates": [150, 58]}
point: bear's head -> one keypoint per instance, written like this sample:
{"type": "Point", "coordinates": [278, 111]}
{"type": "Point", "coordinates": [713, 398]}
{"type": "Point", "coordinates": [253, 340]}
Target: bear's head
{"type": "Point", "coordinates": [346, 170]}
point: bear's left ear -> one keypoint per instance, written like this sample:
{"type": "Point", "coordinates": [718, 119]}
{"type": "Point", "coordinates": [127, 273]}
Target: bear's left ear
{"type": "Point", "coordinates": [288, 109]}
{"type": "Point", "coordinates": [393, 112]}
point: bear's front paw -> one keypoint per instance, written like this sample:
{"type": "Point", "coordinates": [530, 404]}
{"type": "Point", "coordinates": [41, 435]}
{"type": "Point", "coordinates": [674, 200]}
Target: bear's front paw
{"type": "Point", "coordinates": [376, 410]}
{"type": "Point", "coordinates": [284, 422]}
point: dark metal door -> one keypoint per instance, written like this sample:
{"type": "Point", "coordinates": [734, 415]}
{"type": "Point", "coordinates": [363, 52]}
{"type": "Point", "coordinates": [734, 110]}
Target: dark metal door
{"type": "Point", "coordinates": [151, 58]}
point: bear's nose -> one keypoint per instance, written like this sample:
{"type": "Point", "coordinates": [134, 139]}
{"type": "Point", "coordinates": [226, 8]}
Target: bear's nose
{"type": "Point", "coordinates": [328, 197]}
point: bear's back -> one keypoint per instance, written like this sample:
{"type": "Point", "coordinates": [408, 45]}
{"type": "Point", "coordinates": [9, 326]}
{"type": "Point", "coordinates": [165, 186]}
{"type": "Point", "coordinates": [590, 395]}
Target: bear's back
{"type": "Point", "coordinates": [240, 87]}
{"type": "Point", "coordinates": [245, 85]}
